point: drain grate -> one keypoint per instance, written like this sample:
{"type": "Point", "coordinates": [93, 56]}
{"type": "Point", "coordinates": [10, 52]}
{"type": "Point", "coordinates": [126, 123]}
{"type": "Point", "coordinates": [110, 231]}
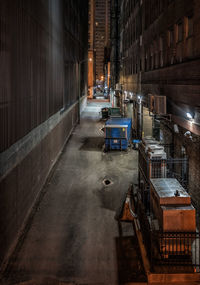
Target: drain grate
{"type": "Point", "coordinates": [107, 182]}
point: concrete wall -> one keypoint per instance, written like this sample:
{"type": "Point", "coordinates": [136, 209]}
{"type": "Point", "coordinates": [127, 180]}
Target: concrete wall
{"type": "Point", "coordinates": [39, 54]}
{"type": "Point", "coordinates": [24, 175]}
{"type": "Point", "coordinates": [147, 123]}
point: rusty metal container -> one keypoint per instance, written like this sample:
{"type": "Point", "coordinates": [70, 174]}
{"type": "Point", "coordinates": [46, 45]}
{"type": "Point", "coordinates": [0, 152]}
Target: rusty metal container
{"type": "Point", "coordinates": [177, 219]}
{"type": "Point", "coordinates": [171, 205]}
{"type": "Point", "coordinates": [165, 191]}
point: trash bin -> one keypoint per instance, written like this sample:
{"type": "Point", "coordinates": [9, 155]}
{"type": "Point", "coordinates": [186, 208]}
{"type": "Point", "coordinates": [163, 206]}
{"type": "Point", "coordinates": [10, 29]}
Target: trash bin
{"type": "Point", "coordinates": [135, 143]}
{"type": "Point", "coordinates": [117, 133]}
{"type": "Point", "coordinates": [104, 113]}
{"type": "Point", "coordinates": [114, 112]}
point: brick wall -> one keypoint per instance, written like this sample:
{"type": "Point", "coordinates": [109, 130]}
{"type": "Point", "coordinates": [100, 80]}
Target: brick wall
{"type": "Point", "coordinates": [192, 151]}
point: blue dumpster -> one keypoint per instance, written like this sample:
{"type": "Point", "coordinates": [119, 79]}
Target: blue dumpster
{"type": "Point", "coordinates": [117, 133]}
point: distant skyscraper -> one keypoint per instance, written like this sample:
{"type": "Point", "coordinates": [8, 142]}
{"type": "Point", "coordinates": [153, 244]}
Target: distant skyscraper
{"type": "Point", "coordinates": [91, 54]}
{"type": "Point", "coordinates": [102, 34]}
{"type": "Point", "coordinates": [99, 37]}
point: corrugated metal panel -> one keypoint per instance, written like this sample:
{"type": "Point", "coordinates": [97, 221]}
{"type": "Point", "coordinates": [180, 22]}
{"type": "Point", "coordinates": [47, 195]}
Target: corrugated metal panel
{"type": "Point", "coordinates": [38, 62]}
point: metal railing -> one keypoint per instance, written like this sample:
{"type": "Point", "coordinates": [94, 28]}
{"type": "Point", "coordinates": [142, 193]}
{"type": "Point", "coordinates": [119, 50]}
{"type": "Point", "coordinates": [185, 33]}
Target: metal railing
{"type": "Point", "coordinates": [176, 249]}
{"type": "Point", "coordinates": [170, 249]}
{"type": "Point", "coordinates": [144, 226]}
{"type": "Point", "coordinates": [163, 168]}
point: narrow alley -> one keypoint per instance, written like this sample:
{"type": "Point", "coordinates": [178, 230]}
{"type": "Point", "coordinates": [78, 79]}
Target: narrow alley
{"type": "Point", "coordinates": [99, 142]}
{"type": "Point", "coordinates": [73, 234]}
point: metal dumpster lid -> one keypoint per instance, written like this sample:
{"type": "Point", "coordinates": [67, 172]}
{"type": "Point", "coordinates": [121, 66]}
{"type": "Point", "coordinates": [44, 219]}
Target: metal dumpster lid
{"type": "Point", "coordinates": [116, 126]}
{"type": "Point", "coordinates": [166, 187]}
{"type": "Point", "coordinates": [118, 121]}
{"type": "Point", "coordinates": [177, 207]}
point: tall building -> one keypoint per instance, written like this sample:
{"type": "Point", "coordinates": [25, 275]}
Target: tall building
{"type": "Point", "coordinates": [101, 35]}
{"type": "Point", "coordinates": [115, 43]}
{"type": "Point", "coordinates": [43, 54]}
{"type": "Point", "coordinates": [98, 44]}
{"type": "Point", "coordinates": [159, 50]}
{"type": "Point", "coordinates": [91, 53]}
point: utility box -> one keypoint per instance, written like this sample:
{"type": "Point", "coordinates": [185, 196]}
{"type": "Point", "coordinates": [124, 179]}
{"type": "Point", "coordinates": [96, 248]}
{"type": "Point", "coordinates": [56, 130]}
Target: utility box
{"type": "Point", "coordinates": [171, 206]}
{"type": "Point", "coordinates": [117, 133]}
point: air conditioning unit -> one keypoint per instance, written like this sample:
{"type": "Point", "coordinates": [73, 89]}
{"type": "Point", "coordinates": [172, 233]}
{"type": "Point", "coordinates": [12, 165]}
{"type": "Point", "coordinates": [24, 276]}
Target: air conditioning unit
{"type": "Point", "coordinates": [151, 102]}
{"type": "Point", "coordinates": [160, 106]}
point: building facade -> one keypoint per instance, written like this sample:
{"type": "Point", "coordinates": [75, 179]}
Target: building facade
{"type": "Point", "coordinates": [91, 52]}
{"type": "Point", "coordinates": [98, 44]}
{"type": "Point", "coordinates": [115, 43]}
{"type": "Point", "coordinates": [101, 35]}
{"type": "Point", "coordinates": [159, 44]}
{"type": "Point", "coordinates": [43, 56]}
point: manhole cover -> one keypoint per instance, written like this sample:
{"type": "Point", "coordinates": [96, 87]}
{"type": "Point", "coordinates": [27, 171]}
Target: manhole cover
{"type": "Point", "coordinates": [107, 182]}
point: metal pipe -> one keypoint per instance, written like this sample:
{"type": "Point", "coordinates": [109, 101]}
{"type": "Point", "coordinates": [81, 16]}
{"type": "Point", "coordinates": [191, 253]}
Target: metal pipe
{"type": "Point", "coordinates": [79, 92]}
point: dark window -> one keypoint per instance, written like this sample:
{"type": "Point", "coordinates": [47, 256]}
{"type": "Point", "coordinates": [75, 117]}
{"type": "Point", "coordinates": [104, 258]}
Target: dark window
{"type": "Point", "coordinates": [189, 26]}
{"type": "Point", "coordinates": [161, 51]}
{"type": "Point", "coordinates": [146, 62]}
{"type": "Point", "coordinates": [180, 32]}
{"type": "Point", "coordinates": [170, 37]}
{"type": "Point", "coordinates": [161, 6]}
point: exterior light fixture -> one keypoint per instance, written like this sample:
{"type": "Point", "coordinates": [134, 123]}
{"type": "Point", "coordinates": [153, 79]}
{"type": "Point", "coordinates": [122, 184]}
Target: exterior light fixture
{"type": "Point", "coordinates": [189, 116]}
{"type": "Point", "coordinates": [90, 59]}
{"type": "Point", "coordinates": [139, 99]}
{"type": "Point", "coordinates": [176, 129]}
